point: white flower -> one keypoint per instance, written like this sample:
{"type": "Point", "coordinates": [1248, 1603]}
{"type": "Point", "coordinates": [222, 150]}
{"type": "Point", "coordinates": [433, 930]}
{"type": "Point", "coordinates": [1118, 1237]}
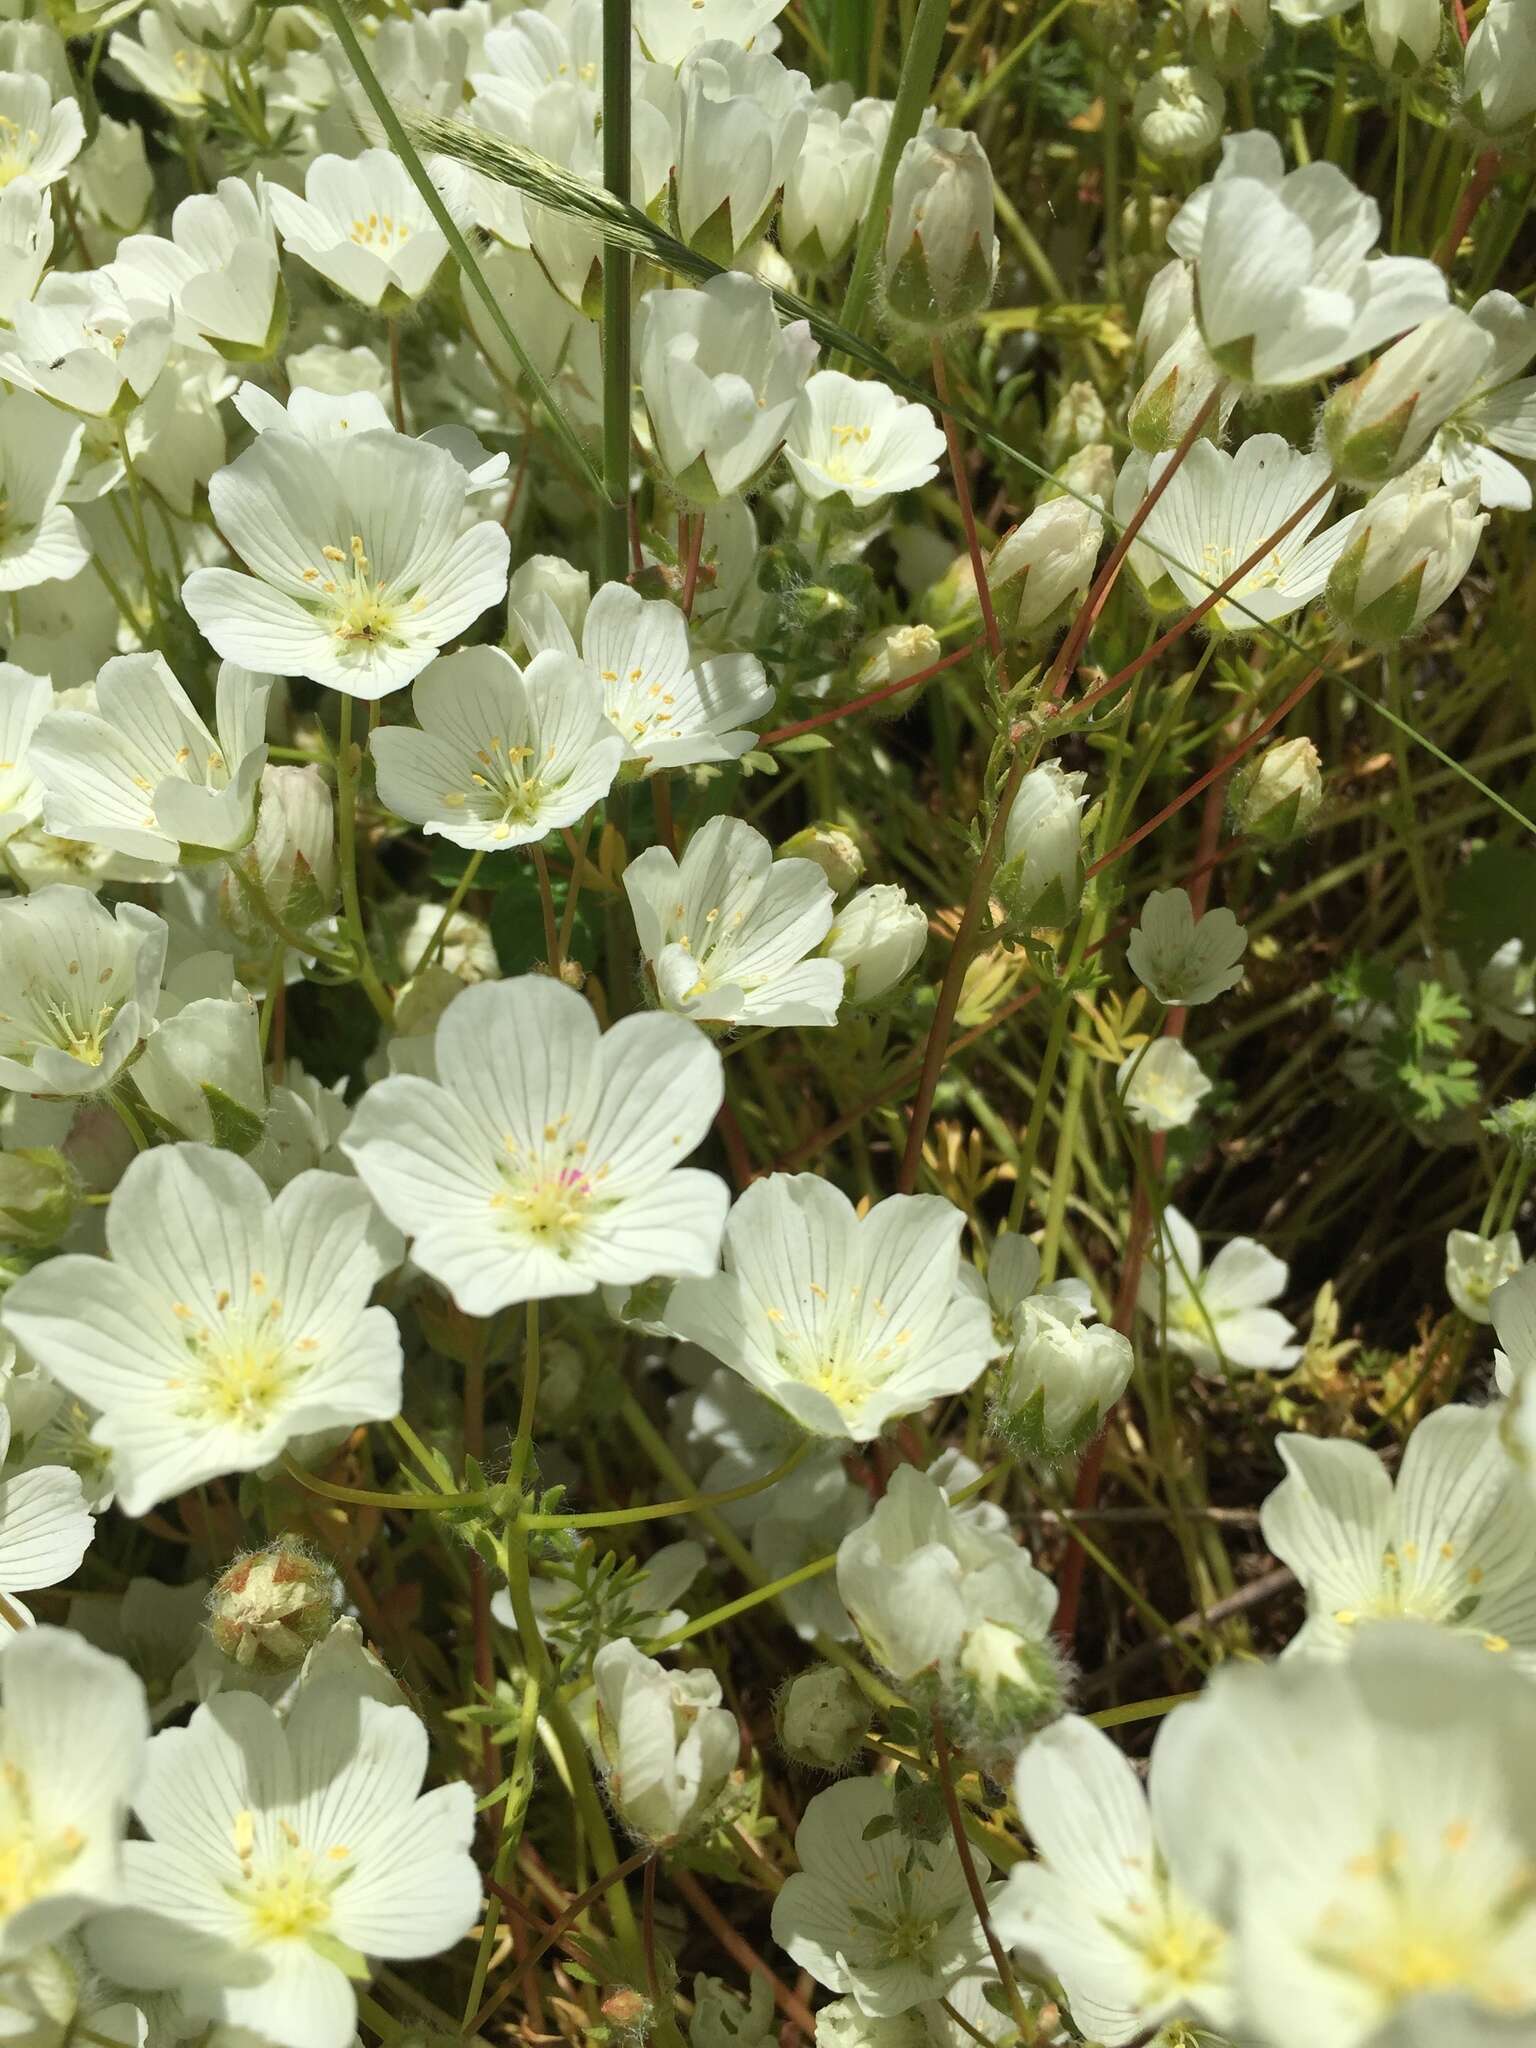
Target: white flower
{"type": "Point", "coordinates": [719, 379]}
{"type": "Point", "coordinates": [545, 1158]}
{"type": "Point", "coordinates": [1285, 287]}
{"type": "Point", "coordinates": [1512, 1308]}
{"type": "Point", "coordinates": [1042, 867]}
{"type": "Point", "coordinates": [219, 269]}
{"type": "Point", "coordinates": [1404, 34]}
{"type": "Point", "coordinates": [845, 1321]}
{"type": "Point", "coordinates": [23, 700]}
{"type": "Point", "coordinates": [112, 175]}
{"type": "Point", "coordinates": [670, 709]}
{"type": "Point", "coordinates": [201, 1072]}
{"type": "Point", "coordinates": [1163, 1085]}
{"type": "Point", "coordinates": [1406, 550]}
{"type": "Point", "coordinates": [1045, 564]}
{"type": "Point", "coordinates": [26, 243]}
{"type": "Point", "coordinates": [1179, 111]}
{"type": "Point", "coordinates": [282, 1852]}
{"type": "Point", "coordinates": [367, 230]}
{"type": "Point", "coordinates": [1505, 988]}
{"type": "Point", "coordinates": [868, 1916]}
{"type": "Point", "coordinates": [1498, 77]}
{"type": "Point", "coordinates": [207, 1351]}
{"type": "Point", "coordinates": [1497, 418]}
{"type": "Point", "coordinates": [1228, 32]}
{"type": "Point", "coordinates": [165, 62]}
{"type": "Point", "coordinates": [1453, 1544]}
{"type": "Point", "coordinates": [40, 137]}
{"type": "Point", "coordinates": [741, 120]}
{"type": "Point", "coordinates": [41, 541]}
{"type": "Point", "coordinates": [940, 246]}
{"type": "Point", "coordinates": [669, 29]}
{"type": "Point", "coordinates": [45, 1531]}
{"type": "Point", "coordinates": [1063, 1372]}
{"type": "Point", "coordinates": [142, 774]}
{"type": "Point", "coordinates": [1367, 1829]}
{"type": "Point", "coordinates": [853, 437]}
{"type": "Point", "coordinates": [1182, 959]}
{"type": "Point", "coordinates": [827, 188]}
{"type": "Point", "coordinates": [922, 1581]}
{"type": "Point", "coordinates": [1120, 1908]}
{"type": "Point", "coordinates": [1219, 509]}
{"type": "Point", "coordinates": [879, 936]}
{"type": "Point", "coordinates": [72, 1734]}
{"type": "Point", "coordinates": [727, 931]}
{"type": "Point", "coordinates": [669, 1745]}
{"type": "Point", "coordinates": [1475, 1266]}
{"type": "Point", "coordinates": [77, 989]}
{"type": "Point", "coordinates": [1219, 1319]}
{"type": "Point", "coordinates": [84, 344]}
{"type": "Point", "coordinates": [504, 756]}
{"type": "Point", "coordinates": [362, 564]}
{"type": "Point", "coordinates": [1379, 422]}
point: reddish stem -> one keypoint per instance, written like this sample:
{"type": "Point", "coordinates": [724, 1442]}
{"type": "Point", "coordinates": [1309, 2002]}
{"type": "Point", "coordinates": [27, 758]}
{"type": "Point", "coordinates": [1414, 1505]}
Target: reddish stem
{"type": "Point", "coordinates": [1485, 175]}
{"type": "Point", "coordinates": [790, 732]}
{"type": "Point", "coordinates": [962, 485]}
{"type": "Point", "coordinates": [695, 526]}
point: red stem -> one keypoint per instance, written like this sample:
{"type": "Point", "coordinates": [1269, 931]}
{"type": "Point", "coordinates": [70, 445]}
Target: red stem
{"type": "Point", "coordinates": [790, 732]}
{"type": "Point", "coordinates": [962, 485]}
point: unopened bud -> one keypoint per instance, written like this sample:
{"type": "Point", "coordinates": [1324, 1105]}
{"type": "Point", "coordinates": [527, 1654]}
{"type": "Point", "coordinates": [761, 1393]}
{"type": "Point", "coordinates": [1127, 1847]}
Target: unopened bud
{"type": "Point", "coordinates": [1276, 796]}
{"type": "Point", "coordinates": [892, 655]}
{"type": "Point", "coordinates": [879, 936]}
{"type": "Point", "coordinates": [272, 1606]}
{"type": "Point", "coordinates": [1408, 550]}
{"type": "Point", "coordinates": [1179, 112]}
{"type": "Point", "coordinates": [1227, 35]}
{"type": "Point", "coordinates": [834, 849]}
{"type": "Point", "coordinates": [823, 1718]}
{"type": "Point", "coordinates": [1041, 877]}
{"type": "Point", "coordinates": [1404, 34]}
{"type": "Point", "coordinates": [1005, 1686]}
{"type": "Point", "coordinates": [37, 1197]}
{"type": "Point", "coordinates": [1044, 566]}
{"type": "Point", "coordinates": [940, 246]}
{"type": "Point", "coordinates": [1060, 1380]}
{"type": "Point", "coordinates": [1382, 420]}
{"type": "Point", "coordinates": [1078, 420]}
{"type": "Point", "coordinates": [1499, 68]}
{"type": "Point", "coordinates": [1173, 393]}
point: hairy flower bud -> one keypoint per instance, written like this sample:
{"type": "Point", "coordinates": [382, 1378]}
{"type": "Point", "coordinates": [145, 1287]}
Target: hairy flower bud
{"type": "Point", "coordinates": [833, 848]}
{"type": "Point", "coordinates": [940, 246]}
{"type": "Point", "coordinates": [1499, 68]}
{"type": "Point", "coordinates": [1005, 1685]}
{"type": "Point", "coordinates": [822, 1718]}
{"type": "Point", "coordinates": [272, 1606]}
{"type": "Point", "coordinates": [1044, 565]}
{"type": "Point", "coordinates": [1174, 390]}
{"type": "Point", "coordinates": [1061, 1378]}
{"type": "Point", "coordinates": [1410, 547]}
{"type": "Point", "coordinates": [1078, 421]}
{"type": "Point", "coordinates": [1041, 876]}
{"type": "Point", "coordinates": [1179, 111]}
{"type": "Point", "coordinates": [892, 655]}
{"type": "Point", "coordinates": [1380, 421]}
{"type": "Point", "coordinates": [1277, 794]}
{"type": "Point", "coordinates": [879, 936]}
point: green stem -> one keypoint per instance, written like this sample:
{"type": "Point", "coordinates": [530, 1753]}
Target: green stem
{"type": "Point", "coordinates": [657, 1511]}
{"type": "Point", "coordinates": [743, 1604]}
{"type": "Point", "coordinates": [347, 765]}
{"type": "Point", "coordinates": [461, 889]}
{"type": "Point", "coordinates": [513, 1813]}
{"type": "Point", "coordinates": [141, 535]}
{"type": "Point", "coordinates": [366, 1497]}
{"type": "Point", "coordinates": [522, 1445]}
{"type": "Point", "coordinates": [616, 336]}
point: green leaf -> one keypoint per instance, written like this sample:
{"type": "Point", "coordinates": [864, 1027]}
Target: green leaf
{"type": "Point", "coordinates": [235, 1128]}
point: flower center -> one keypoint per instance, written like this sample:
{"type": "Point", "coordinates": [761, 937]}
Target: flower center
{"type": "Point", "coordinates": [547, 1198]}
{"type": "Point", "coordinates": [18, 148]}
{"type": "Point", "coordinates": [32, 1861]}
{"type": "Point", "coordinates": [363, 611]}
{"type": "Point", "coordinates": [288, 1898]}
{"type": "Point", "coordinates": [242, 1366]}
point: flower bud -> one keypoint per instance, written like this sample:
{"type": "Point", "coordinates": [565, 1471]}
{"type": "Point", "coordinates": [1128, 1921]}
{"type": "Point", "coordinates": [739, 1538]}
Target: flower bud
{"type": "Point", "coordinates": [827, 188]}
{"type": "Point", "coordinates": [1499, 68]}
{"type": "Point", "coordinates": [1061, 1378]}
{"type": "Point", "coordinates": [1041, 876]}
{"type": "Point", "coordinates": [271, 1607]}
{"type": "Point", "coordinates": [940, 246]}
{"type": "Point", "coordinates": [952, 598]}
{"type": "Point", "coordinates": [291, 860]}
{"type": "Point", "coordinates": [1409, 548]}
{"type": "Point", "coordinates": [891, 655]}
{"type": "Point", "coordinates": [879, 935]}
{"type": "Point", "coordinates": [1475, 1266]}
{"type": "Point", "coordinates": [823, 1717]}
{"type": "Point", "coordinates": [1227, 35]}
{"type": "Point", "coordinates": [720, 2020]}
{"type": "Point", "coordinates": [1175, 388]}
{"type": "Point", "coordinates": [1383, 419]}
{"type": "Point", "coordinates": [834, 849]}
{"type": "Point", "coordinates": [1404, 34]}
{"type": "Point", "coordinates": [1179, 112]}
{"type": "Point", "coordinates": [1277, 794]}
{"type": "Point", "coordinates": [1006, 1684]}
{"type": "Point", "coordinates": [669, 1745]}
{"type": "Point", "coordinates": [37, 1197]}
{"type": "Point", "coordinates": [1090, 473]}
{"type": "Point", "coordinates": [545, 593]}
{"type": "Point", "coordinates": [1165, 312]}
{"type": "Point", "coordinates": [1044, 565]}
{"type": "Point", "coordinates": [1078, 421]}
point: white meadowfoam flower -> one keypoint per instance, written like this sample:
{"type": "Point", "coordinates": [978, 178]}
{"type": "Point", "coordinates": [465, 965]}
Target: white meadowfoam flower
{"type": "Point", "coordinates": [111, 178]}
{"type": "Point", "coordinates": [741, 120]}
{"type": "Point", "coordinates": [45, 1531]}
{"type": "Point", "coordinates": [669, 29]}
{"type": "Point", "coordinates": [1163, 1086]}
{"type": "Point", "coordinates": [1228, 33]}
{"type": "Point", "coordinates": [1404, 34]}
{"type": "Point", "coordinates": [207, 1352]}
{"type": "Point", "coordinates": [1513, 1311]}
{"type": "Point", "coordinates": [165, 62]}
{"type": "Point", "coordinates": [72, 1734]}
{"type": "Point", "coordinates": [1406, 551]}
{"type": "Point", "coordinates": [1041, 875]}
{"type": "Point", "coordinates": [719, 378]}
{"type": "Point", "coordinates": [1219, 509]}
{"type": "Point", "coordinates": [1379, 422]}
{"type": "Point", "coordinates": [546, 1158]}
{"type": "Point", "coordinates": [1044, 565]}
{"type": "Point", "coordinates": [1182, 959]}
{"type": "Point", "coordinates": [366, 229]}
{"type": "Point", "coordinates": [1120, 1907]}
{"type": "Point", "coordinates": [729, 933]}
{"type": "Point", "coordinates": [504, 756]}
{"type": "Point", "coordinates": [1367, 1828]}
{"type": "Point", "coordinates": [941, 250]}
{"type": "Point", "coordinates": [87, 345]}
{"type": "Point", "coordinates": [40, 136]}
{"type": "Point", "coordinates": [670, 708]}
{"type": "Point", "coordinates": [868, 1917]}
{"type": "Point", "coordinates": [1286, 288]}
{"type": "Point", "coordinates": [1475, 1266]}
{"type": "Point", "coordinates": [280, 1853]}
{"type": "Point", "coordinates": [1063, 1372]}
{"type": "Point", "coordinates": [1497, 418]}
{"type": "Point", "coordinates": [219, 270]}
{"type": "Point", "coordinates": [1498, 77]}
{"type": "Point", "coordinates": [26, 243]}
{"type": "Point", "coordinates": [828, 187]}
{"type": "Point", "coordinates": [363, 566]}
{"type": "Point", "coordinates": [1179, 112]}
{"type": "Point", "coordinates": [1453, 1543]}
{"type": "Point", "coordinates": [845, 1321]}
{"type": "Point", "coordinates": [853, 437]}
{"type": "Point", "coordinates": [41, 541]}
{"type": "Point", "coordinates": [668, 1744]}
{"type": "Point", "coordinates": [1218, 1317]}
{"type": "Point", "coordinates": [923, 1582]}
{"type": "Point", "coordinates": [142, 774]}
{"type": "Point", "coordinates": [879, 936]}
{"type": "Point", "coordinates": [78, 985]}
{"type": "Point", "coordinates": [24, 698]}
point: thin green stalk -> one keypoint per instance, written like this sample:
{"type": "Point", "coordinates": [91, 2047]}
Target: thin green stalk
{"type": "Point", "coordinates": [348, 763]}
{"type": "Point", "coordinates": [702, 1623]}
{"type": "Point", "coordinates": [1001, 73]}
{"type": "Point", "coordinates": [510, 1834]}
{"type": "Point", "coordinates": [660, 1510]}
{"type": "Point", "coordinates": [616, 337]}
{"type": "Point", "coordinates": [461, 889]}
{"type": "Point", "coordinates": [522, 1443]}
{"type": "Point", "coordinates": [141, 534]}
